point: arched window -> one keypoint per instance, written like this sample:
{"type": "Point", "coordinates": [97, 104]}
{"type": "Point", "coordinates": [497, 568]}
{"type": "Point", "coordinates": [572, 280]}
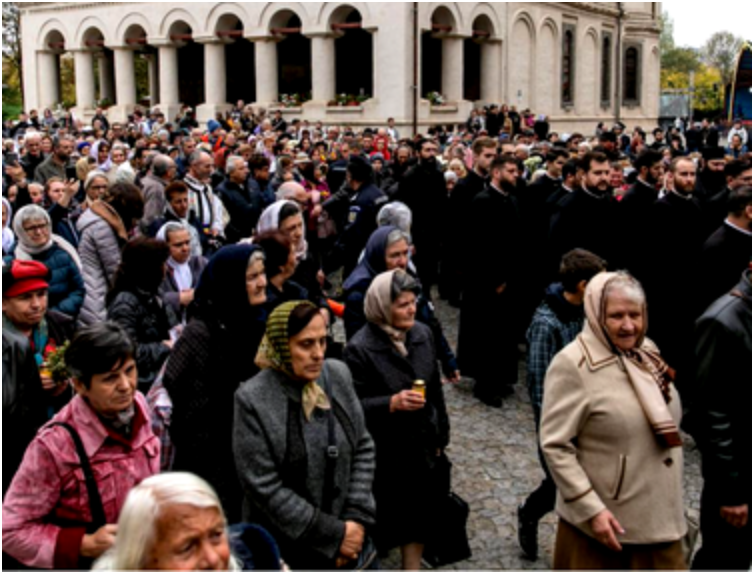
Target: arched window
{"type": "Point", "coordinates": [632, 76]}
{"type": "Point", "coordinates": [569, 67]}
{"type": "Point", "coordinates": [606, 70]}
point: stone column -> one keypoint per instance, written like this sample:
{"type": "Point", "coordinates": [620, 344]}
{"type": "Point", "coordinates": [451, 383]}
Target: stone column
{"type": "Point", "coordinates": [170, 99]}
{"type": "Point", "coordinates": [84, 62]}
{"type": "Point", "coordinates": [49, 79]}
{"type": "Point", "coordinates": [154, 79]}
{"type": "Point", "coordinates": [215, 82]}
{"type": "Point", "coordinates": [452, 69]}
{"type": "Point", "coordinates": [106, 83]}
{"type": "Point", "coordinates": [125, 84]}
{"type": "Point", "coordinates": [267, 71]}
{"type": "Point", "coordinates": [492, 72]}
{"type": "Point", "coordinates": [323, 69]}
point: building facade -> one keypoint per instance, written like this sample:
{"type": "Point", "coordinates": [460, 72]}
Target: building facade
{"type": "Point", "coordinates": [354, 63]}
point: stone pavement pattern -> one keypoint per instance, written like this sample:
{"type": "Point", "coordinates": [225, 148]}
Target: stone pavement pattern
{"type": "Point", "coordinates": [496, 467]}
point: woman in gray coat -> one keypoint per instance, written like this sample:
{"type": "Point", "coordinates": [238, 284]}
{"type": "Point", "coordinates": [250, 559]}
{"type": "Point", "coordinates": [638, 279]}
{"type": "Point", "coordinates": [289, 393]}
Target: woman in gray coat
{"type": "Point", "coordinates": [303, 453]}
{"type": "Point", "coordinates": [105, 228]}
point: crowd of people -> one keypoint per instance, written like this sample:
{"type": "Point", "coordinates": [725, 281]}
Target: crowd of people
{"type": "Point", "coordinates": [171, 364]}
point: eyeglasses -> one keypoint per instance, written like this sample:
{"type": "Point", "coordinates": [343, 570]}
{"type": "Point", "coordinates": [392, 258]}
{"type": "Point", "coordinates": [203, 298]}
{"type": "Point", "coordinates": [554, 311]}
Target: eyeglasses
{"type": "Point", "coordinates": [36, 229]}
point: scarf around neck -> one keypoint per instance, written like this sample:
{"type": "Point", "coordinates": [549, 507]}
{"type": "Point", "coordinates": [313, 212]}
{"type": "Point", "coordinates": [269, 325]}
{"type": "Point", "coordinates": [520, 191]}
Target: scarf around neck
{"type": "Point", "coordinates": [275, 353]}
{"type": "Point", "coordinates": [648, 373]}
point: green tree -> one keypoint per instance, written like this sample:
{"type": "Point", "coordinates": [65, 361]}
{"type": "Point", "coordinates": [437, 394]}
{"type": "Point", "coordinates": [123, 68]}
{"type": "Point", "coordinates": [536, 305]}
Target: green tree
{"type": "Point", "coordinates": [721, 53]}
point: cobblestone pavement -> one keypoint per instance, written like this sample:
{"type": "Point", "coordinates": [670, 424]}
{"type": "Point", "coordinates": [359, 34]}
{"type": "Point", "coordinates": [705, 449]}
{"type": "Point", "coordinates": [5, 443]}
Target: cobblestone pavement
{"type": "Point", "coordinates": [496, 467]}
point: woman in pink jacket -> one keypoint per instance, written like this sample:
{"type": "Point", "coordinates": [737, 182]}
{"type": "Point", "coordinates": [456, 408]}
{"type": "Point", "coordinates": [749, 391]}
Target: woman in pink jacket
{"type": "Point", "coordinates": [53, 516]}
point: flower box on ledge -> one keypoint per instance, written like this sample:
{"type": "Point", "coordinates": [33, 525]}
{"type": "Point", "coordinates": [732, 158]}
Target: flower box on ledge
{"type": "Point", "coordinates": [287, 110]}
{"type": "Point", "coordinates": [336, 109]}
{"type": "Point", "coordinates": [444, 108]}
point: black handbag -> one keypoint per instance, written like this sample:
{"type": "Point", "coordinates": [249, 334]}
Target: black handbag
{"type": "Point", "coordinates": [449, 539]}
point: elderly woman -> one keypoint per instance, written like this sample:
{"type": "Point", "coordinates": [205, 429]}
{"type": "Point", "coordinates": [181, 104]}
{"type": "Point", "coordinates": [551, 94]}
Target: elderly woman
{"type": "Point", "coordinates": [304, 456]}
{"type": "Point", "coordinates": [175, 521]}
{"type": "Point", "coordinates": [389, 249]}
{"type": "Point", "coordinates": [95, 187]}
{"type": "Point", "coordinates": [210, 362]}
{"type": "Point", "coordinates": [105, 228]}
{"type": "Point", "coordinates": [9, 239]}
{"type": "Point", "coordinates": [51, 516]}
{"type": "Point", "coordinates": [33, 228]}
{"type": "Point", "coordinates": [135, 303]}
{"type": "Point", "coordinates": [184, 269]}
{"type": "Point", "coordinates": [611, 439]}
{"type": "Point", "coordinates": [410, 429]}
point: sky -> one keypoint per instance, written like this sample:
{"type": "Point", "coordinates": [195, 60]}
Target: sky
{"type": "Point", "coordinates": [696, 21]}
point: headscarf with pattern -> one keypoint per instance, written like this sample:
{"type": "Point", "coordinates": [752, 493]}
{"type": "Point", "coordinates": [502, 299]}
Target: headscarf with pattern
{"type": "Point", "coordinates": [275, 353]}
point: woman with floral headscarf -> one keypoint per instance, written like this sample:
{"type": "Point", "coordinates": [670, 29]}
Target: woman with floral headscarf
{"type": "Point", "coordinates": [303, 453]}
{"type": "Point", "coordinates": [610, 434]}
{"type": "Point", "coordinates": [411, 430]}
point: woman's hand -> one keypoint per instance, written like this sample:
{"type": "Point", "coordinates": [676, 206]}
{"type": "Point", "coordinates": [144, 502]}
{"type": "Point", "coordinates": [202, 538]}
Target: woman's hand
{"type": "Point", "coordinates": [606, 528]}
{"type": "Point", "coordinates": [95, 545]}
{"type": "Point", "coordinates": [353, 543]}
{"type": "Point", "coordinates": [736, 516]}
{"type": "Point", "coordinates": [407, 401]}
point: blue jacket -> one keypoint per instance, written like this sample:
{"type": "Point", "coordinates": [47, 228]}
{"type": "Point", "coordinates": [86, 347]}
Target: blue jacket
{"type": "Point", "coordinates": [66, 293]}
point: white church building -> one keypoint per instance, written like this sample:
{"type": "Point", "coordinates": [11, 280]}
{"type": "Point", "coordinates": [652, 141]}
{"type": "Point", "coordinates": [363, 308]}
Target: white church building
{"type": "Point", "coordinates": [355, 63]}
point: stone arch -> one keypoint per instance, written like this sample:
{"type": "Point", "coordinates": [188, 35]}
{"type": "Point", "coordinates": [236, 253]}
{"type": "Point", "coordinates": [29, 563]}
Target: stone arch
{"type": "Point", "coordinates": [52, 27]}
{"type": "Point", "coordinates": [127, 23]}
{"type": "Point", "coordinates": [548, 66]}
{"type": "Point", "coordinates": [88, 24]}
{"type": "Point", "coordinates": [486, 9]}
{"type": "Point", "coordinates": [444, 13]}
{"type": "Point", "coordinates": [271, 15]}
{"type": "Point", "coordinates": [332, 13]}
{"type": "Point", "coordinates": [177, 16]}
{"type": "Point", "coordinates": [522, 60]}
{"type": "Point", "coordinates": [219, 13]}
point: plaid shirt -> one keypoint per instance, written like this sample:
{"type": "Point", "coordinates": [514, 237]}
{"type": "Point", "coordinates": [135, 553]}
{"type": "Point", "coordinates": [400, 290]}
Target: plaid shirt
{"type": "Point", "coordinates": [548, 334]}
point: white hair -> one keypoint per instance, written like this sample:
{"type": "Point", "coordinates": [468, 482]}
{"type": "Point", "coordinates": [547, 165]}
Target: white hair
{"type": "Point", "coordinates": [144, 505]}
{"type": "Point", "coordinates": [627, 285]}
{"type": "Point", "coordinates": [396, 214]}
{"type": "Point", "coordinates": [287, 191]}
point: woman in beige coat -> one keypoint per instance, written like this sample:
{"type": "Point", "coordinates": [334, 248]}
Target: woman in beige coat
{"type": "Point", "coordinates": [610, 435]}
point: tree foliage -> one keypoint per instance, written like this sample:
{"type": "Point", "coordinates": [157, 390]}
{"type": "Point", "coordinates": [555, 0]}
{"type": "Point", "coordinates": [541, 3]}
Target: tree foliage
{"type": "Point", "coordinates": [12, 34]}
{"type": "Point", "coordinates": [721, 53]}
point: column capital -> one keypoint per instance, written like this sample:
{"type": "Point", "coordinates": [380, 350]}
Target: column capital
{"type": "Point", "coordinates": [324, 35]}
{"type": "Point", "coordinates": [212, 40]}
{"type": "Point", "coordinates": [267, 39]}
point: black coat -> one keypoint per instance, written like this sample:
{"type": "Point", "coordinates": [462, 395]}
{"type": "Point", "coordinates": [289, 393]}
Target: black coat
{"type": "Point", "coordinates": [585, 221]}
{"type": "Point", "coordinates": [244, 214]}
{"type": "Point", "coordinates": [145, 319]}
{"type": "Point", "coordinates": [24, 410]}
{"type": "Point", "coordinates": [424, 191]}
{"type": "Point", "coordinates": [493, 259]}
{"type": "Point", "coordinates": [407, 443]}
{"type": "Point", "coordinates": [635, 211]}
{"type": "Point", "coordinates": [724, 256]}
{"type": "Point", "coordinates": [676, 233]}
{"type": "Point", "coordinates": [721, 411]}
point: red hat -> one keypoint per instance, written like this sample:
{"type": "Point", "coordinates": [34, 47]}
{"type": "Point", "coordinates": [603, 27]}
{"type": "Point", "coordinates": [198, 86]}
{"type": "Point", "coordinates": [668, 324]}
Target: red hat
{"type": "Point", "coordinates": [24, 276]}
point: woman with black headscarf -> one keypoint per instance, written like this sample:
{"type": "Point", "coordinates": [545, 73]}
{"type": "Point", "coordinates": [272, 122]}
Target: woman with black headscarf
{"type": "Point", "coordinates": [212, 359]}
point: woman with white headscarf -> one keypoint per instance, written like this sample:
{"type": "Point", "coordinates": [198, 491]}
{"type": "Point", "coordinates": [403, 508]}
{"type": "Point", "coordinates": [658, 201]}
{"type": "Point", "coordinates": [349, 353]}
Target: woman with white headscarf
{"type": "Point", "coordinates": [9, 238]}
{"type": "Point", "coordinates": [36, 242]}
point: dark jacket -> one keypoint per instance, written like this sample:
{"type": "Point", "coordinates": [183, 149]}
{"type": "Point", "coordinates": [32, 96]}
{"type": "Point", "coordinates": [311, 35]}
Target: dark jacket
{"type": "Point", "coordinates": [24, 410]}
{"type": "Point", "coordinates": [725, 254]}
{"type": "Point", "coordinates": [144, 317]}
{"type": "Point", "coordinates": [722, 405]}
{"type": "Point", "coordinates": [359, 226]}
{"type": "Point", "coordinates": [192, 220]}
{"type": "Point", "coordinates": [355, 319]}
{"type": "Point", "coordinates": [66, 293]}
{"type": "Point", "coordinates": [244, 214]}
{"type": "Point", "coordinates": [281, 463]}
{"type": "Point", "coordinates": [30, 164]}
{"type": "Point", "coordinates": [64, 223]}
{"type": "Point", "coordinates": [170, 293]}
{"type": "Point", "coordinates": [635, 211]}
{"type": "Point", "coordinates": [585, 221]}
{"type": "Point", "coordinates": [407, 443]}
{"type": "Point", "coordinates": [261, 194]}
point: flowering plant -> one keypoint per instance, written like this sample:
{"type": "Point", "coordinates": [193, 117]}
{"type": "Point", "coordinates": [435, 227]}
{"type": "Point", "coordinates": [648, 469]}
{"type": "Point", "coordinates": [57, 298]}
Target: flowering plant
{"type": "Point", "coordinates": [436, 98]}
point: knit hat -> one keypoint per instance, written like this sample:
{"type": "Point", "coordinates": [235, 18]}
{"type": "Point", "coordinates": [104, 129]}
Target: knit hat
{"type": "Point", "coordinates": [24, 276]}
{"type": "Point", "coordinates": [377, 157]}
{"type": "Point", "coordinates": [213, 125]}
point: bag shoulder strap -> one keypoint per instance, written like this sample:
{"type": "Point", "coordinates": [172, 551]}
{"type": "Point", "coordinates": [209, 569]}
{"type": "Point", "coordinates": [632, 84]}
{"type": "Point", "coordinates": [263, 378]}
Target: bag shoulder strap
{"type": "Point", "coordinates": [95, 499]}
{"type": "Point", "coordinates": [332, 449]}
